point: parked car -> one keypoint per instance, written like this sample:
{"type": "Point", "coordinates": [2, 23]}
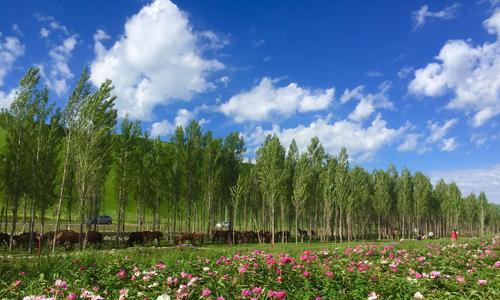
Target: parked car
{"type": "Point", "coordinates": [103, 219]}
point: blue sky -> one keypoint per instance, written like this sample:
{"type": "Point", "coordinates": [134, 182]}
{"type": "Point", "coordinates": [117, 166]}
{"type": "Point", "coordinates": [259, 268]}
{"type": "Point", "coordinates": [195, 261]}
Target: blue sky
{"type": "Point", "coordinates": [414, 83]}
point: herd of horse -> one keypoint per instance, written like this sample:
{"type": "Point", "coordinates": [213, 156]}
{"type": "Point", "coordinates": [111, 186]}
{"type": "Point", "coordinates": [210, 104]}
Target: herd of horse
{"type": "Point", "coordinates": [70, 239]}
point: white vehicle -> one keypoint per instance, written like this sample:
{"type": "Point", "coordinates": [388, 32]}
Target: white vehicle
{"type": "Point", "coordinates": [223, 225]}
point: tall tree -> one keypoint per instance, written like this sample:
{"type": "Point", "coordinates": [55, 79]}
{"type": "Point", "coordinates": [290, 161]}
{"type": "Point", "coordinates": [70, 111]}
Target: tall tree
{"type": "Point", "coordinates": [16, 123]}
{"type": "Point", "coordinates": [382, 194]}
{"type": "Point", "coordinates": [342, 186]}
{"type": "Point", "coordinates": [422, 190]}
{"type": "Point", "coordinates": [301, 188]}
{"type": "Point", "coordinates": [482, 204]}
{"type": "Point", "coordinates": [94, 127]}
{"type": "Point", "coordinates": [126, 148]}
{"type": "Point", "coordinates": [270, 162]}
{"type": "Point", "coordinates": [405, 200]}
{"type": "Point", "coordinates": [69, 118]}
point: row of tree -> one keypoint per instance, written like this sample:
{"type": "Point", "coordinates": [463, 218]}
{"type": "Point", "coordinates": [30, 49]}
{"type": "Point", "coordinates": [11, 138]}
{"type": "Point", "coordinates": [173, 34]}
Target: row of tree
{"type": "Point", "coordinates": [54, 159]}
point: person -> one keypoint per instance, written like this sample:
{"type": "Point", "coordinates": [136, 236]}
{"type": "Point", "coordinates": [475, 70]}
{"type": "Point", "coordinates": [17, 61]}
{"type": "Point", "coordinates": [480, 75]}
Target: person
{"type": "Point", "coordinates": [431, 234]}
{"type": "Point", "coordinates": [454, 234]}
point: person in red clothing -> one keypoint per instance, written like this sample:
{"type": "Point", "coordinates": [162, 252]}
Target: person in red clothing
{"type": "Point", "coordinates": [454, 234]}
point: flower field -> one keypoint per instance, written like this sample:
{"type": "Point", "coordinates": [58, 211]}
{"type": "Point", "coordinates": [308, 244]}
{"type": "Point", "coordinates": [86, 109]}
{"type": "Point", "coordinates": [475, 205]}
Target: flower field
{"type": "Point", "coordinates": [369, 271]}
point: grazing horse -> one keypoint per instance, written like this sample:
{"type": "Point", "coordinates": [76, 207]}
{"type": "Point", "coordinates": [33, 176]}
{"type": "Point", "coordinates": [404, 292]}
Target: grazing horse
{"type": "Point", "coordinates": [24, 239]}
{"type": "Point", "coordinates": [153, 235]}
{"type": "Point", "coordinates": [249, 236]}
{"type": "Point", "coordinates": [67, 237]}
{"type": "Point", "coordinates": [283, 235]}
{"type": "Point", "coordinates": [220, 236]}
{"type": "Point", "coordinates": [137, 237]}
{"type": "Point", "coordinates": [303, 234]}
{"type": "Point", "coordinates": [192, 237]}
{"type": "Point", "coordinates": [94, 237]}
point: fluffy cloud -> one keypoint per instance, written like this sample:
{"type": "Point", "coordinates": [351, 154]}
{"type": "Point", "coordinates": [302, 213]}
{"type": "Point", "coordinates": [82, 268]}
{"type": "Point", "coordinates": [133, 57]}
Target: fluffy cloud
{"type": "Point", "coordinates": [404, 72]}
{"type": "Point", "coordinates": [10, 49]}
{"type": "Point", "coordinates": [411, 142]}
{"type": "Point", "coordinates": [437, 131]}
{"type": "Point", "coordinates": [374, 73]}
{"type": "Point", "coordinates": [421, 16]}
{"type": "Point", "coordinates": [59, 71]}
{"type": "Point", "coordinates": [436, 136]}
{"type": "Point", "coordinates": [182, 118]}
{"type": "Point", "coordinates": [162, 128]}
{"type": "Point", "coordinates": [44, 32]}
{"type": "Point", "coordinates": [449, 144]}
{"type": "Point", "coordinates": [367, 102]}
{"type": "Point", "coordinates": [474, 180]}
{"type": "Point", "coordinates": [266, 102]}
{"type": "Point", "coordinates": [469, 72]}
{"type": "Point", "coordinates": [361, 142]}
{"type": "Point", "coordinates": [157, 60]}
{"type": "Point", "coordinates": [7, 98]}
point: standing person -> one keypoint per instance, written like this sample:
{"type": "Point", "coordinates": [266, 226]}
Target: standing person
{"type": "Point", "coordinates": [431, 234]}
{"type": "Point", "coordinates": [454, 234]}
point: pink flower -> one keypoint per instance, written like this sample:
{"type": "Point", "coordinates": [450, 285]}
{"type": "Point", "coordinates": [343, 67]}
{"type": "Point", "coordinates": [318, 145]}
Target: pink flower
{"type": "Point", "coordinates": [318, 298]}
{"type": "Point", "coordinates": [120, 274]}
{"type": "Point", "coordinates": [497, 264]}
{"type": "Point", "coordinates": [205, 292]}
{"type": "Point", "coordinates": [160, 265]}
{"type": "Point", "coordinates": [72, 296]}
{"type": "Point", "coordinates": [257, 290]}
{"type": "Point", "coordinates": [459, 279]}
{"type": "Point", "coordinates": [246, 293]}
{"type": "Point", "coordinates": [306, 274]}
{"type": "Point", "coordinates": [482, 281]}
{"type": "Point", "coordinates": [17, 283]}
{"type": "Point", "coordinates": [435, 274]}
{"type": "Point", "coordinates": [242, 270]}
{"type": "Point", "coordinates": [61, 284]}
{"type": "Point", "coordinates": [329, 274]}
{"type": "Point", "coordinates": [280, 294]}
{"type": "Point", "coordinates": [221, 298]}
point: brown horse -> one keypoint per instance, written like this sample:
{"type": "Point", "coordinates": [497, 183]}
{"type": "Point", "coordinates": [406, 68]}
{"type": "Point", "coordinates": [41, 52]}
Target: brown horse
{"type": "Point", "coordinates": [69, 238]}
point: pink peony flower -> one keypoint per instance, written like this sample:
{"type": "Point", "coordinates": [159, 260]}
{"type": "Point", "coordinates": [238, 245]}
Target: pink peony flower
{"type": "Point", "coordinates": [482, 281]}
{"type": "Point", "coordinates": [160, 265]}
{"type": "Point", "coordinates": [246, 293]}
{"type": "Point", "coordinates": [497, 264]}
{"type": "Point", "coordinates": [257, 290]}
{"type": "Point", "coordinates": [205, 292]}
{"type": "Point", "coordinates": [72, 296]}
{"type": "Point", "coordinates": [120, 274]}
{"type": "Point", "coordinates": [61, 284]}
{"type": "Point", "coordinates": [459, 279]}
{"type": "Point", "coordinates": [306, 274]}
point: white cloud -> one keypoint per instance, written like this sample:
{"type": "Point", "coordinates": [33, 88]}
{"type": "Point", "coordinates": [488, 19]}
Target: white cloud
{"type": "Point", "coordinates": [362, 143]}
{"type": "Point", "coordinates": [367, 102]}
{"type": "Point", "coordinates": [421, 16]}
{"type": "Point", "coordinates": [266, 102]}
{"type": "Point", "coordinates": [161, 128]}
{"type": "Point", "coordinates": [44, 32]}
{"type": "Point", "coordinates": [10, 49]}
{"type": "Point", "coordinates": [474, 180]}
{"type": "Point", "coordinates": [17, 29]}
{"type": "Point", "coordinates": [156, 61]}
{"type": "Point", "coordinates": [57, 26]}
{"type": "Point", "coordinates": [404, 72]}
{"type": "Point", "coordinates": [374, 73]}
{"type": "Point", "coordinates": [224, 80]}
{"type": "Point", "coordinates": [216, 41]}
{"type": "Point", "coordinates": [437, 131]}
{"type": "Point", "coordinates": [182, 118]}
{"type": "Point", "coordinates": [411, 143]}
{"type": "Point", "coordinates": [469, 72]}
{"type": "Point", "coordinates": [7, 98]}
{"type": "Point", "coordinates": [478, 139]}
{"type": "Point", "coordinates": [59, 71]}
{"type": "Point", "coordinates": [449, 144]}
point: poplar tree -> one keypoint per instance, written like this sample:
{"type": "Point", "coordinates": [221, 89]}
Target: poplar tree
{"type": "Point", "coordinates": [270, 162]}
